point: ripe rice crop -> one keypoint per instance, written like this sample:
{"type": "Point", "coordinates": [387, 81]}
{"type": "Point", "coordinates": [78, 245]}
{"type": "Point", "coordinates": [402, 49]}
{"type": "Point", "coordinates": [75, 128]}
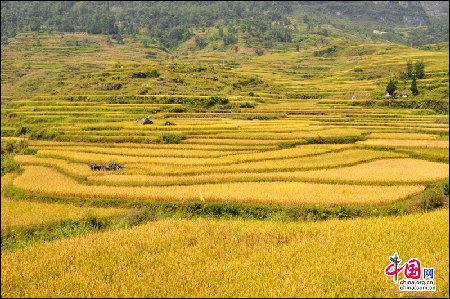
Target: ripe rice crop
{"type": "Point", "coordinates": [16, 213]}
{"type": "Point", "coordinates": [325, 160]}
{"type": "Point", "coordinates": [214, 147]}
{"type": "Point", "coordinates": [407, 143]}
{"type": "Point", "coordinates": [73, 168]}
{"type": "Point", "coordinates": [179, 153]}
{"type": "Point", "coordinates": [294, 134]}
{"type": "Point", "coordinates": [411, 136]}
{"type": "Point", "coordinates": [207, 258]}
{"type": "Point", "coordinates": [22, 213]}
{"type": "Point", "coordinates": [229, 159]}
{"type": "Point", "coordinates": [386, 171]}
{"type": "Point", "coordinates": [434, 152]}
{"type": "Point", "coordinates": [298, 151]}
{"type": "Point", "coordinates": [38, 179]}
{"type": "Point", "coordinates": [247, 142]}
{"type": "Point", "coordinates": [104, 158]}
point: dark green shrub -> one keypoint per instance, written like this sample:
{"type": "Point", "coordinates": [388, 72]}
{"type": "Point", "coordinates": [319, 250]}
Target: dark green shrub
{"type": "Point", "coordinates": [326, 52]}
{"type": "Point", "coordinates": [136, 217]}
{"type": "Point", "coordinates": [247, 105]}
{"type": "Point", "coordinates": [289, 144]}
{"type": "Point", "coordinates": [8, 164]}
{"type": "Point", "coordinates": [170, 138]}
{"type": "Point", "coordinates": [13, 146]}
{"type": "Point", "coordinates": [337, 140]}
{"type": "Point", "coordinates": [42, 134]}
{"type": "Point", "coordinates": [263, 117]}
{"type": "Point", "coordinates": [152, 73]}
{"type": "Point", "coordinates": [177, 110]}
{"type": "Point", "coordinates": [342, 213]}
{"type": "Point", "coordinates": [257, 213]}
{"type": "Point", "coordinates": [434, 200]}
{"type": "Point", "coordinates": [22, 130]}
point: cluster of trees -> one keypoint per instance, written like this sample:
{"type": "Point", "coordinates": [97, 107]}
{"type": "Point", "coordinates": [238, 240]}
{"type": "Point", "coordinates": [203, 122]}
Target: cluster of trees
{"type": "Point", "coordinates": [170, 23]}
{"type": "Point", "coordinates": [417, 71]}
{"type": "Point", "coordinates": [326, 52]}
{"type": "Point", "coordinates": [412, 72]}
{"type": "Point", "coordinates": [436, 32]}
{"type": "Point", "coordinates": [166, 22]}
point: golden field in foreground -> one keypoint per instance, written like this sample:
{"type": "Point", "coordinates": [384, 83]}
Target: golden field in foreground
{"type": "Point", "coordinates": [184, 258]}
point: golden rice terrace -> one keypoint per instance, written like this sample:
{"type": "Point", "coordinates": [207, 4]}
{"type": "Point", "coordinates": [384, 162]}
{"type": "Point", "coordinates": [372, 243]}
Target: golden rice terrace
{"type": "Point", "coordinates": [285, 136]}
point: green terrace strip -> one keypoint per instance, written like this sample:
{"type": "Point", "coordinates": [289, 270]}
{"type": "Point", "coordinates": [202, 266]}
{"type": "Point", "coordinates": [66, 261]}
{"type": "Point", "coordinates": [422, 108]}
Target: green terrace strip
{"type": "Point", "coordinates": [434, 196]}
{"type": "Point", "coordinates": [24, 236]}
{"type": "Point", "coordinates": [420, 155]}
{"type": "Point", "coordinates": [439, 106]}
{"type": "Point", "coordinates": [433, 155]}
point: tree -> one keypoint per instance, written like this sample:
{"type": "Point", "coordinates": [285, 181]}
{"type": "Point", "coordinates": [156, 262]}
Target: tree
{"type": "Point", "coordinates": [34, 25]}
{"type": "Point", "coordinates": [118, 38]}
{"type": "Point", "coordinates": [259, 51]}
{"type": "Point", "coordinates": [200, 42]}
{"type": "Point", "coordinates": [409, 69]}
{"type": "Point", "coordinates": [229, 39]}
{"type": "Point", "coordinates": [420, 69]}
{"type": "Point", "coordinates": [413, 87]}
{"type": "Point", "coordinates": [392, 87]}
{"type": "Point", "coordinates": [108, 24]}
{"type": "Point", "coordinates": [5, 40]}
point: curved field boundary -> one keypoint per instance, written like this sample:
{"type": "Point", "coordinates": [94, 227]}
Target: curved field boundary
{"type": "Point", "coordinates": [44, 180]}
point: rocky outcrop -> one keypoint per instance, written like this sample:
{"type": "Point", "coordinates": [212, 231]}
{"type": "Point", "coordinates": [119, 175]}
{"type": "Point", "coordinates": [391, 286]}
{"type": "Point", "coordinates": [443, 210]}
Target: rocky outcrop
{"type": "Point", "coordinates": [435, 8]}
{"type": "Point", "coordinates": [414, 21]}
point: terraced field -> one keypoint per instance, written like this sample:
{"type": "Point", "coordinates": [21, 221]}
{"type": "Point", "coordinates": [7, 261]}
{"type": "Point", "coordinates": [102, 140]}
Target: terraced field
{"type": "Point", "coordinates": [298, 142]}
{"type": "Point", "coordinates": [220, 153]}
{"type": "Point", "coordinates": [16, 214]}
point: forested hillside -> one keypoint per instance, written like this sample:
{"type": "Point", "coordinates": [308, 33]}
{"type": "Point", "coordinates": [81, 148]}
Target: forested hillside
{"type": "Point", "coordinates": [259, 24]}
